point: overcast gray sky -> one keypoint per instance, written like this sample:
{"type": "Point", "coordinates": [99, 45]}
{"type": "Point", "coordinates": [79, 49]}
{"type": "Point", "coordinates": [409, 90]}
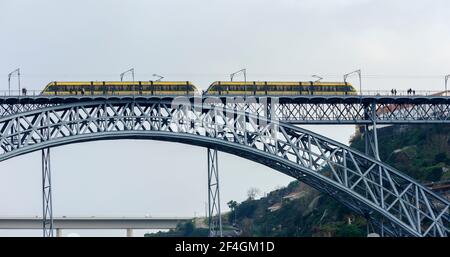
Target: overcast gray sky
{"type": "Point", "coordinates": [399, 44]}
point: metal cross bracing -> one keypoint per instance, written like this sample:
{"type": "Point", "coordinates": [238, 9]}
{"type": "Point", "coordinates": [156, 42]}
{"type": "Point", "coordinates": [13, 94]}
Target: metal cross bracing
{"type": "Point", "coordinates": [307, 109]}
{"type": "Point", "coordinates": [11, 109]}
{"type": "Point", "coordinates": [214, 214]}
{"type": "Point", "coordinates": [364, 184]}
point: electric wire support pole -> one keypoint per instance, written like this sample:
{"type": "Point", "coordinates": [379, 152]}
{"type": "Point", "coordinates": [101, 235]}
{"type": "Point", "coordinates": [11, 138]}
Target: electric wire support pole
{"type": "Point", "coordinates": [47, 215]}
{"type": "Point", "coordinates": [214, 215]}
{"type": "Point", "coordinates": [9, 79]}
{"type": "Point", "coordinates": [125, 72]}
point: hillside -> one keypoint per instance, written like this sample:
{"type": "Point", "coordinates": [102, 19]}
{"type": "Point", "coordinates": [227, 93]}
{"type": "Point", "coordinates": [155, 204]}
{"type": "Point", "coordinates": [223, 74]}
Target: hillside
{"type": "Point", "coordinates": [421, 151]}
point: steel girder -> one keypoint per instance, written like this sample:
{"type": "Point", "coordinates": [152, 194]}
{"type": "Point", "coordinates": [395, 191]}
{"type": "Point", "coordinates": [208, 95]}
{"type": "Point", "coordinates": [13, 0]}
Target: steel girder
{"type": "Point", "coordinates": [364, 184]}
{"type": "Point", "coordinates": [294, 110]}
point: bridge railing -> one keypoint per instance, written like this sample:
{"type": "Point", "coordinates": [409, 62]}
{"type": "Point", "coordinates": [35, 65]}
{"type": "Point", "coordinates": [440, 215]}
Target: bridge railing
{"type": "Point", "coordinates": [19, 93]}
{"type": "Point", "coordinates": [404, 93]}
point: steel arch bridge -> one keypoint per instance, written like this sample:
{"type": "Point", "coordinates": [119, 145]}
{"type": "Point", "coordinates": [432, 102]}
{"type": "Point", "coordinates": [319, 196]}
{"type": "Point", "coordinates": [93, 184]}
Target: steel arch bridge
{"type": "Point", "coordinates": [391, 200]}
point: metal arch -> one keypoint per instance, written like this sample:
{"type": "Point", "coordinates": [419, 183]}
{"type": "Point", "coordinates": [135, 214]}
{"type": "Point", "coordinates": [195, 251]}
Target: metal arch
{"type": "Point", "coordinates": [366, 185]}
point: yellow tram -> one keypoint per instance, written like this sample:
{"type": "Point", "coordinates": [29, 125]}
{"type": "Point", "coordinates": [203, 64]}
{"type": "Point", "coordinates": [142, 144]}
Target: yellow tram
{"type": "Point", "coordinates": [275, 88]}
{"type": "Point", "coordinates": [121, 88]}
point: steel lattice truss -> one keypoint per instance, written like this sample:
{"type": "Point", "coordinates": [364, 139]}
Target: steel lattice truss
{"type": "Point", "coordinates": [11, 109]}
{"type": "Point", "coordinates": [393, 201]}
{"type": "Point", "coordinates": [294, 110]}
{"type": "Point", "coordinates": [329, 111]}
{"type": "Point", "coordinates": [355, 113]}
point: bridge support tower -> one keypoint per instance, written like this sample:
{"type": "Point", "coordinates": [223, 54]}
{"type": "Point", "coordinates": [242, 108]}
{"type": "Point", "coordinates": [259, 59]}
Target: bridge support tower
{"type": "Point", "coordinates": [371, 149]}
{"type": "Point", "coordinates": [214, 214]}
{"type": "Point", "coordinates": [47, 213]}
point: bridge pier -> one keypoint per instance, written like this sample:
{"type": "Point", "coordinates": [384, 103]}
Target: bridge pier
{"type": "Point", "coordinates": [371, 149]}
{"type": "Point", "coordinates": [214, 214]}
{"type": "Point", "coordinates": [58, 232]}
{"type": "Point", "coordinates": [129, 232]}
{"type": "Point", "coordinates": [47, 213]}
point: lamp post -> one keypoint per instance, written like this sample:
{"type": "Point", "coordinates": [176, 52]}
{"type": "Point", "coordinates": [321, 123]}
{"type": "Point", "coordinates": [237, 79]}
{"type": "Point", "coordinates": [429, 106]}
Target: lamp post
{"type": "Point", "coordinates": [446, 79]}
{"type": "Point", "coordinates": [319, 78]}
{"type": "Point", "coordinates": [359, 76]}
{"type": "Point", "coordinates": [123, 73]}
{"type": "Point", "coordinates": [159, 77]}
{"type": "Point", "coordinates": [9, 79]}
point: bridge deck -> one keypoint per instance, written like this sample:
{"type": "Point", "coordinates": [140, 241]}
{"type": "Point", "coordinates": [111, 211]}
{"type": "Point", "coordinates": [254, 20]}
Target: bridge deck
{"type": "Point", "coordinates": [93, 222]}
{"type": "Point", "coordinates": [419, 99]}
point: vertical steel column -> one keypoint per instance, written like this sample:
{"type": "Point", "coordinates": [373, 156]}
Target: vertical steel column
{"type": "Point", "coordinates": [371, 148]}
{"type": "Point", "coordinates": [214, 214]}
{"type": "Point", "coordinates": [47, 213]}
{"type": "Point", "coordinates": [374, 132]}
{"type": "Point", "coordinates": [371, 137]}
{"type": "Point", "coordinates": [367, 140]}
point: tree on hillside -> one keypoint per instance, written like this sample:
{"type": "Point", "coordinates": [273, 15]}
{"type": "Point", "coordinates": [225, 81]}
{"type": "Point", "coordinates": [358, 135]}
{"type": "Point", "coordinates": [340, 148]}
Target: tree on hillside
{"type": "Point", "coordinates": [232, 205]}
{"type": "Point", "coordinates": [252, 193]}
